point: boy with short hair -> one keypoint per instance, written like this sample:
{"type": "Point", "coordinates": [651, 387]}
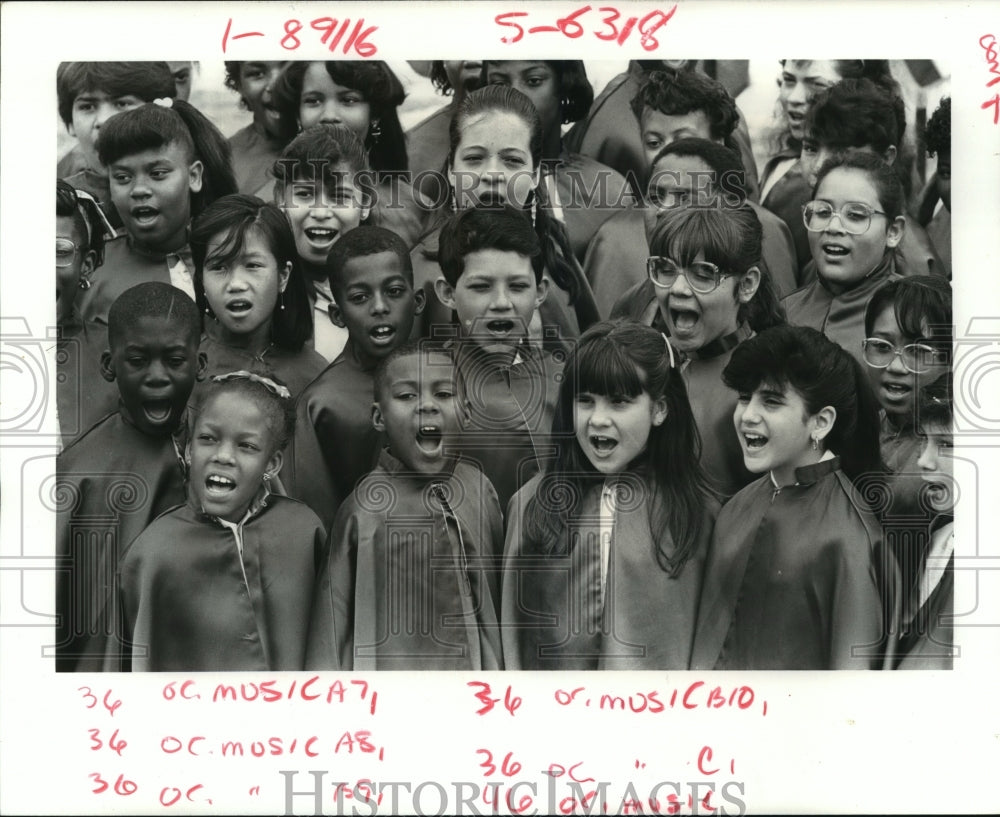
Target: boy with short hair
{"type": "Point", "coordinates": [489, 280]}
{"type": "Point", "coordinates": [371, 279]}
{"type": "Point", "coordinates": [89, 94]}
{"type": "Point", "coordinates": [128, 468]}
{"type": "Point", "coordinates": [410, 581]}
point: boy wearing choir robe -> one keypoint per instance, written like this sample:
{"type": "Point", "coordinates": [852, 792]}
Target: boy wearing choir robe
{"type": "Point", "coordinates": [411, 580]}
{"type": "Point", "coordinates": [335, 444]}
{"type": "Point", "coordinates": [489, 280]}
{"type": "Point", "coordinates": [127, 469]}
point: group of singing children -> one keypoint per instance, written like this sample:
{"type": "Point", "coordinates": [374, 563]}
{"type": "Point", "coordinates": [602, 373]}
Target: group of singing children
{"type": "Point", "coordinates": [615, 552]}
{"type": "Point", "coordinates": [339, 429]}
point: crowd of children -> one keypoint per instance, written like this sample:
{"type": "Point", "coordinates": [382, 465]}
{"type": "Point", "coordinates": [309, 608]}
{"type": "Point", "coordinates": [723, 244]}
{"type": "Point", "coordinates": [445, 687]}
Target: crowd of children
{"type": "Point", "coordinates": [498, 393]}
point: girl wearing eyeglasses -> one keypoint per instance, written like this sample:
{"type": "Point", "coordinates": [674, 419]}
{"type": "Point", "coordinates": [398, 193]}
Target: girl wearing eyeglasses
{"type": "Point", "coordinates": [705, 288]}
{"type": "Point", "coordinates": [855, 222]}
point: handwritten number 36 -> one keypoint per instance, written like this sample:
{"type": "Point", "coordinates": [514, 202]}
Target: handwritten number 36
{"type": "Point", "coordinates": [122, 786]}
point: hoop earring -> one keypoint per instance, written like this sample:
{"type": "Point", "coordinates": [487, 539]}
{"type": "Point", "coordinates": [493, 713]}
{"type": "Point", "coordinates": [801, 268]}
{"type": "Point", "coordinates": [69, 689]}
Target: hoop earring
{"type": "Point", "coordinates": [84, 283]}
{"type": "Point", "coordinates": [564, 104]}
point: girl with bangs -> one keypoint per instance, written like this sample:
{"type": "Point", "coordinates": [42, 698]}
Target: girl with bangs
{"type": "Point", "coordinates": [707, 290]}
{"type": "Point", "coordinates": [250, 287]}
{"type": "Point", "coordinates": [363, 97]}
{"type": "Point", "coordinates": [605, 549]}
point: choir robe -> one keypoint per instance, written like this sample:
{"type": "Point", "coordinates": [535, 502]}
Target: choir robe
{"type": "Point", "coordinates": [610, 134]}
{"type": "Point", "coordinates": [793, 579]}
{"type": "Point", "coordinates": [785, 198]}
{"type": "Point", "coordinates": [254, 154]}
{"type": "Point", "coordinates": [588, 194]}
{"type": "Point", "coordinates": [125, 265]}
{"type": "Point", "coordinates": [840, 317]}
{"type": "Point", "coordinates": [83, 396]}
{"type": "Point", "coordinates": [192, 603]}
{"type": "Point", "coordinates": [295, 369]}
{"type": "Point", "coordinates": [335, 443]}
{"type": "Point", "coordinates": [111, 483]}
{"type": "Point", "coordinates": [427, 149]}
{"type": "Point", "coordinates": [927, 637]}
{"type": "Point", "coordinates": [556, 320]}
{"type": "Point", "coordinates": [712, 403]}
{"type": "Point", "coordinates": [617, 256]}
{"type": "Point", "coordinates": [511, 406]}
{"type": "Point", "coordinates": [410, 579]}
{"type": "Point", "coordinates": [552, 617]}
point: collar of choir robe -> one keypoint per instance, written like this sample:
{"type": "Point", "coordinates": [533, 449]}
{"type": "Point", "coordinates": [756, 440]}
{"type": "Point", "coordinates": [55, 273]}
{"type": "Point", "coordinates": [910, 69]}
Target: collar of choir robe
{"type": "Point", "coordinates": [796, 578]}
{"type": "Point", "coordinates": [552, 614]}
{"type": "Point", "coordinates": [841, 317]}
{"type": "Point", "coordinates": [410, 577]}
{"type": "Point", "coordinates": [110, 484]}
{"type": "Point", "coordinates": [335, 443]}
{"type": "Point", "coordinates": [191, 602]}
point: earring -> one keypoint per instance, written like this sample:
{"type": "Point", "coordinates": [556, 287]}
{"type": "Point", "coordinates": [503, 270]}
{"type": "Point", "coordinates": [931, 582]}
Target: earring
{"type": "Point", "coordinates": [281, 299]}
{"type": "Point", "coordinates": [267, 478]}
{"type": "Point", "coordinates": [84, 283]}
{"type": "Point", "coordinates": [375, 131]}
{"type": "Point", "coordinates": [534, 211]}
{"type": "Point", "coordinates": [815, 444]}
{"type": "Point", "coordinates": [564, 104]}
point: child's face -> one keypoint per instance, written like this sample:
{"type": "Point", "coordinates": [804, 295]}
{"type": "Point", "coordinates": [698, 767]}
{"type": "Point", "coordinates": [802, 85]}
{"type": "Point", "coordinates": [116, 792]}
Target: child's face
{"type": "Point", "coordinates": [255, 83]}
{"type": "Point", "coordinates": [537, 81]}
{"type": "Point", "coordinates": [243, 292]}
{"type": "Point", "coordinates": [937, 466]}
{"type": "Point", "coordinates": [417, 408]}
{"type": "Point", "coordinates": [91, 110]}
{"type": "Point", "coordinates": [182, 73]}
{"type": "Point", "coordinates": [897, 388]}
{"type": "Point", "coordinates": [493, 161]}
{"type": "Point", "coordinates": [81, 264]}
{"type": "Point", "coordinates": [695, 319]}
{"type": "Point", "coordinates": [614, 430]}
{"type": "Point", "coordinates": [660, 129]}
{"type": "Point", "coordinates": [495, 297]}
{"type": "Point", "coordinates": [376, 303]}
{"type": "Point", "coordinates": [152, 191]}
{"type": "Point", "coordinates": [323, 101]}
{"type": "Point", "coordinates": [774, 428]}
{"type": "Point", "coordinates": [800, 81]}
{"type": "Point", "coordinates": [319, 214]}
{"type": "Point", "coordinates": [842, 259]}
{"type": "Point", "coordinates": [231, 449]}
{"type": "Point", "coordinates": [156, 366]}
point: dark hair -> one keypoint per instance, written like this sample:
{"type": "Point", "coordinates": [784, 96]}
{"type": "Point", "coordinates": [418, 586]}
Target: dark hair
{"type": "Point", "coordinates": [150, 127]}
{"type": "Point", "coordinates": [361, 241]}
{"type": "Point", "coordinates": [731, 238]}
{"type": "Point", "coordinates": [410, 348]}
{"type": "Point", "coordinates": [935, 402]}
{"type": "Point", "coordinates": [917, 301]}
{"type": "Point", "coordinates": [88, 222]}
{"type": "Point", "coordinates": [556, 255]}
{"type": "Point", "coordinates": [881, 175]}
{"type": "Point", "coordinates": [485, 227]}
{"type": "Point", "coordinates": [146, 80]}
{"type": "Point", "coordinates": [857, 112]}
{"type": "Point", "coordinates": [823, 374]}
{"type": "Point", "coordinates": [576, 94]}
{"type": "Point", "coordinates": [236, 216]}
{"type": "Point", "coordinates": [625, 358]}
{"type": "Point", "coordinates": [280, 411]}
{"type": "Point", "coordinates": [726, 163]}
{"type": "Point", "coordinates": [677, 93]}
{"type": "Point", "coordinates": [439, 78]}
{"type": "Point", "coordinates": [328, 148]}
{"type": "Point", "coordinates": [152, 299]}
{"type": "Point", "coordinates": [382, 90]}
{"type": "Point", "coordinates": [937, 134]}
